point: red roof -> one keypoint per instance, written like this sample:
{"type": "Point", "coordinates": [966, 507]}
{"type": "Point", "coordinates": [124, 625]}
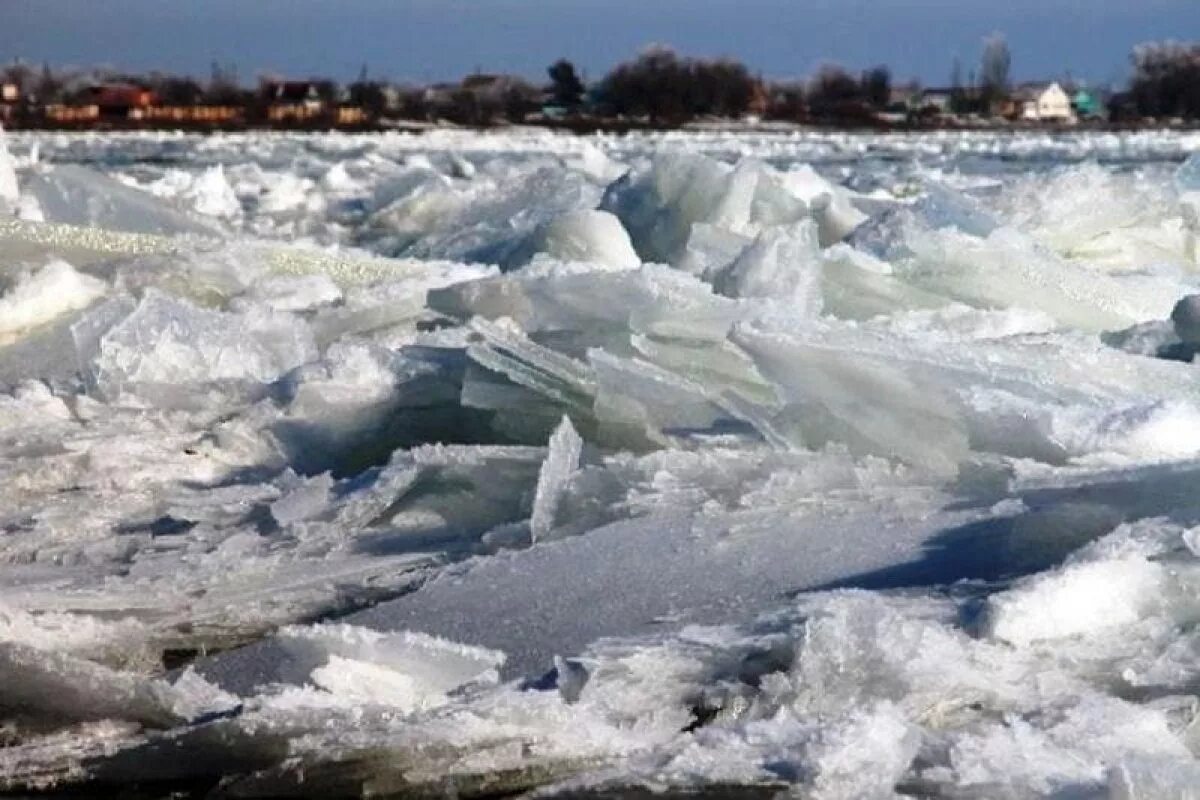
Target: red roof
{"type": "Point", "coordinates": [122, 95]}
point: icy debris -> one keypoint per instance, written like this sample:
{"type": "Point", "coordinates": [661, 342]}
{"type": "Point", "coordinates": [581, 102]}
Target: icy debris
{"type": "Point", "coordinates": [1187, 175]}
{"type": "Point", "coordinates": [76, 195]}
{"type": "Point", "coordinates": [339, 181]}
{"type": "Point", "coordinates": [289, 193]}
{"type": "Point", "coordinates": [292, 293]}
{"type": "Point", "coordinates": [864, 756]}
{"type": "Point", "coordinates": [562, 459]}
{"type": "Point", "coordinates": [307, 499]}
{"type": "Point", "coordinates": [592, 236]}
{"type": "Point", "coordinates": [660, 207]}
{"type": "Point", "coordinates": [925, 403]}
{"type": "Point", "coordinates": [941, 207]}
{"type": "Point", "coordinates": [1006, 269]}
{"type": "Point", "coordinates": [871, 403]}
{"type": "Point", "coordinates": [31, 406]}
{"type": "Point", "coordinates": [212, 195]}
{"type": "Point", "coordinates": [783, 264]}
{"type": "Point", "coordinates": [62, 687]}
{"type": "Point", "coordinates": [489, 221]}
{"type": "Point", "coordinates": [594, 163]}
{"type": "Point", "coordinates": [50, 292]}
{"type": "Point", "coordinates": [9, 190]}
{"type": "Point", "coordinates": [1061, 212]}
{"type": "Point", "coordinates": [1082, 599]}
{"type": "Point", "coordinates": [408, 671]}
{"type": "Point", "coordinates": [1157, 431]}
{"type": "Point", "coordinates": [166, 344]}
{"type": "Point", "coordinates": [461, 167]}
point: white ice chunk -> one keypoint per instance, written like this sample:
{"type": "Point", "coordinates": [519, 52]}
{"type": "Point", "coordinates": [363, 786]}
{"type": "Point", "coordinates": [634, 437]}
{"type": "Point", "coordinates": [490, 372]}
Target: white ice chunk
{"type": "Point", "coordinates": [562, 460]}
{"type": "Point", "coordinates": [212, 195]}
{"type": "Point", "coordinates": [783, 264]}
{"type": "Point", "coordinates": [41, 296]}
{"type": "Point", "coordinates": [1081, 599]}
{"type": "Point", "coordinates": [9, 190]}
{"type": "Point", "coordinates": [592, 236]}
{"type": "Point", "coordinates": [294, 292]}
{"type": "Point", "coordinates": [831, 206]}
{"type": "Point", "coordinates": [75, 195]}
{"type": "Point", "coordinates": [406, 670]}
{"type": "Point", "coordinates": [171, 343]}
{"type": "Point", "coordinates": [304, 501]}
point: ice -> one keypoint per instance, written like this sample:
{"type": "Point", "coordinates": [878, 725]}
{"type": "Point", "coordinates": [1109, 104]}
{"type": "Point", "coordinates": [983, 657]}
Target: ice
{"type": "Point", "coordinates": [832, 206]}
{"type": "Point", "coordinates": [562, 459]}
{"type": "Point", "coordinates": [76, 195]}
{"type": "Point", "coordinates": [166, 343]}
{"type": "Point", "coordinates": [1081, 600]}
{"type": "Point", "coordinates": [294, 293]}
{"type": "Point", "coordinates": [1005, 270]}
{"type": "Point", "coordinates": [211, 194]}
{"type": "Point", "coordinates": [491, 220]}
{"type": "Point", "coordinates": [41, 296]}
{"type": "Point", "coordinates": [837, 465]}
{"type": "Point", "coordinates": [10, 192]}
{"type": "Point", "coordinates": [662, 205]}
{"type": "Point", "coordinates": [1187, 176]}
{"type": "Point", "coordinates": [592, 236]}
{"type": "Point", "coordinates": [783, 265]}
{"type": "Point", "coordinates": [407, 671]}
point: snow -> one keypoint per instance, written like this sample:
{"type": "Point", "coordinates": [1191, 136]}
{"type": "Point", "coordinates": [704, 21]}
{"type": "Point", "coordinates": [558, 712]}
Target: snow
{"type": "Point", "coordinates": [848, 465]}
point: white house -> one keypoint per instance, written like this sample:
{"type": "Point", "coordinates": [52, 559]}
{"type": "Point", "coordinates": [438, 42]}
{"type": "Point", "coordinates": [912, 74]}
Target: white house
{"type": "Point", "coordinates": [1048, 103]}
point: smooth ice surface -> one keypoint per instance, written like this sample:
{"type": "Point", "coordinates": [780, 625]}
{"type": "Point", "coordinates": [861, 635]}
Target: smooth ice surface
{"type": "Point", "coordinates": [844, 464]}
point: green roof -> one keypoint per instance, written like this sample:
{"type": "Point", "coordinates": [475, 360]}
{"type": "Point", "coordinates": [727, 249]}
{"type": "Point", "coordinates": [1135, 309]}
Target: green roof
{"type": "Point", "coordinates": [1085, 102]}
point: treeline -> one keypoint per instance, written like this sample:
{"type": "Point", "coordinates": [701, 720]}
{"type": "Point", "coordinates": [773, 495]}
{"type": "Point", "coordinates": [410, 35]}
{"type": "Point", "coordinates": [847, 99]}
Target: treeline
{"type": "Point", "coordinates": [658, 86]}
{"type": "Point", "coordinates": [1166, 80]}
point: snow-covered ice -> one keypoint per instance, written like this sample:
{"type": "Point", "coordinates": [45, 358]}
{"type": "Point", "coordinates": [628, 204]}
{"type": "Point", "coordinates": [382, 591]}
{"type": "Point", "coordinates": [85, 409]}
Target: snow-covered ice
{"type": "Point", "coordinates": [462, 463]}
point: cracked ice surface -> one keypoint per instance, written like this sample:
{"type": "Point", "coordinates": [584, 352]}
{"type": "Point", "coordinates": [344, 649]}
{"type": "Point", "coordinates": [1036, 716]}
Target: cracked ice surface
{"type": "Point", "coordinates": [464, 463]}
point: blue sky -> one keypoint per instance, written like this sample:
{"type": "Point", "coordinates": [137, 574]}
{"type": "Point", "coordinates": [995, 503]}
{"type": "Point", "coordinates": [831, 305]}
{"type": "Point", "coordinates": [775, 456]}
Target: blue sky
{"type": "Point", "coordinates": [425, 40]}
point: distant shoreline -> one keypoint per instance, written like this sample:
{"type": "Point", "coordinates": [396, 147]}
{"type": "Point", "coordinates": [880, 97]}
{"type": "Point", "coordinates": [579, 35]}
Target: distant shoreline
{"type": "Point", "coordinates": [586, 127]}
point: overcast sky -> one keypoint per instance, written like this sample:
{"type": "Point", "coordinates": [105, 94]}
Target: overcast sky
{"type": "Point", "coordinates": [425, 40]}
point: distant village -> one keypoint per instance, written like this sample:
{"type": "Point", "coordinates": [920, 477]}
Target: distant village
{"type": "Point", "coordinates": [657, 89]}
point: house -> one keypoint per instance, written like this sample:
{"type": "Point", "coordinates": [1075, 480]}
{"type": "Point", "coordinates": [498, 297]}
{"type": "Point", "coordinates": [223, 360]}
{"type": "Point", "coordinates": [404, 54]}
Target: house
{"type": "Point", "coordinates": [292, 101]}
{"type": "Point", "coordinates": [903, 98]}
{"type": "Point", "coordinates": [10, 95]}
{"type": "Point", "coordinates": [938, 101]}
{"type": "Point", "coordinates": [350, 116]}
{"type": "Point", "coordinates": [1086, 105]}
{"type": "Point", "coordinates": [199, 115]}
{"type": "Point", "coordinates": [119, 100]}
{"type": "Point", "coordinates": [1033, 102]}
{"type": "Point", "coordinates": [61, 114]}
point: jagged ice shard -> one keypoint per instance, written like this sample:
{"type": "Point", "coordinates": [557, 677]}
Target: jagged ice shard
{"type": "Point", "coordinates": [474, 464]}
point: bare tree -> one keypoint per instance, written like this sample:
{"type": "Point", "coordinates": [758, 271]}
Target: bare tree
{"type": "Point", "coordinates": [1166, 79]}
{"type": "Point", "coordinates": [994, 65]}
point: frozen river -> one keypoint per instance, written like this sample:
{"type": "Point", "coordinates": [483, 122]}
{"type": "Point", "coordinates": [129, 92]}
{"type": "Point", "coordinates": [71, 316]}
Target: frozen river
{"type": "Point", "coordinates": [480, 463]}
